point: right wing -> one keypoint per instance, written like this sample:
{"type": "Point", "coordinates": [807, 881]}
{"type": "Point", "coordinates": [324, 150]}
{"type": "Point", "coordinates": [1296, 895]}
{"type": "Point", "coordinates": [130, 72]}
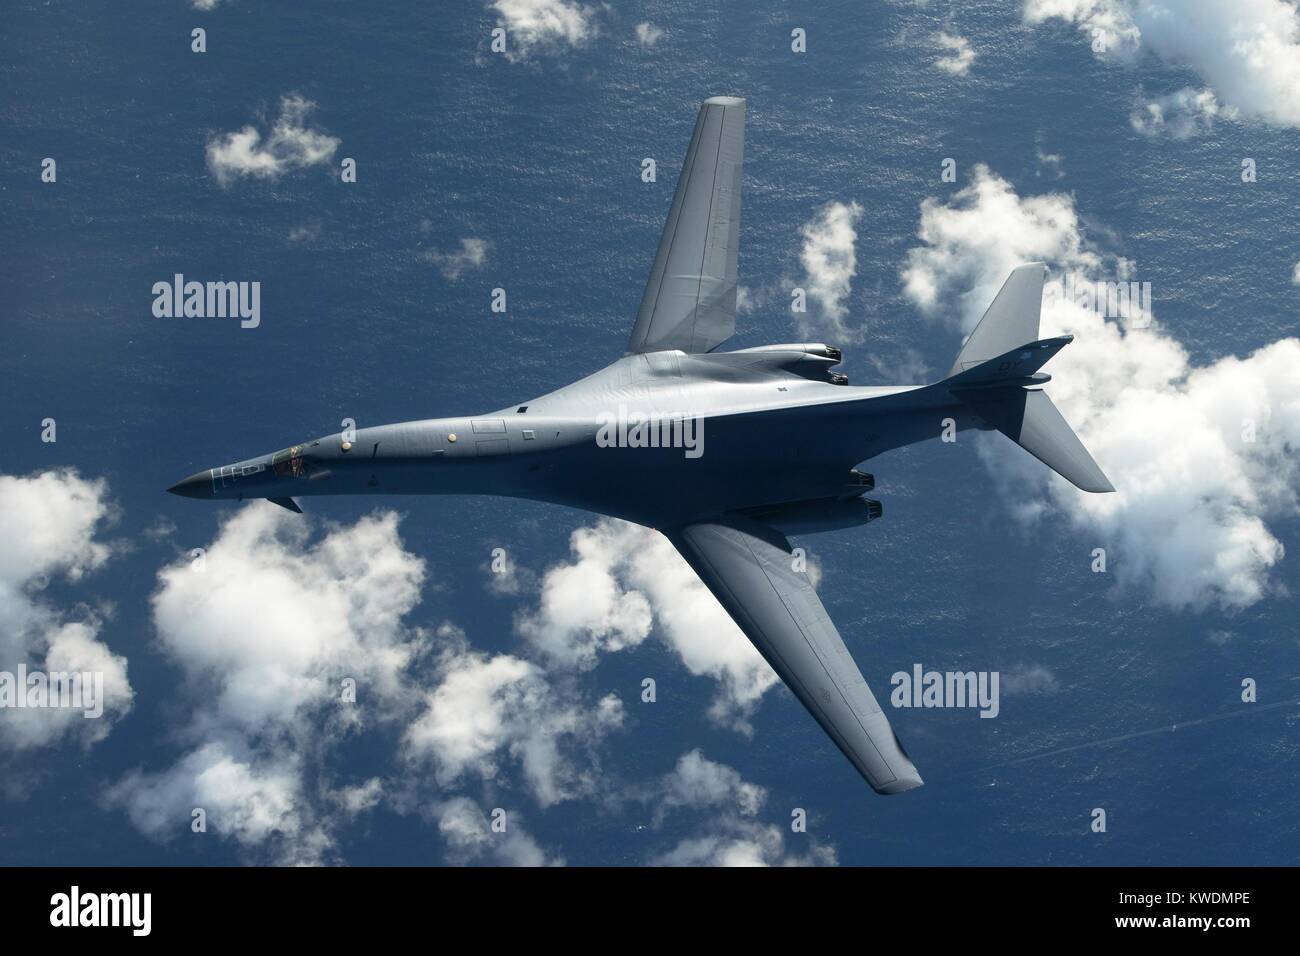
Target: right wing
{"type": "Point", "coordinates": [690, 300]}
{"type": "Point", "coordinates": [747, 566]}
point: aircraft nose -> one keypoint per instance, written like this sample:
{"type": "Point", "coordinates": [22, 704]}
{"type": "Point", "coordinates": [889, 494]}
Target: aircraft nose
{"type": "Point", "coordinates": [197, 485]}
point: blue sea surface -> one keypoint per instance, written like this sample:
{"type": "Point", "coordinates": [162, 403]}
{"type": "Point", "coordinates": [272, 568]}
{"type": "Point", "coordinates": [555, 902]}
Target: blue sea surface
{"type": "Point", "coordinates": [542, 158]}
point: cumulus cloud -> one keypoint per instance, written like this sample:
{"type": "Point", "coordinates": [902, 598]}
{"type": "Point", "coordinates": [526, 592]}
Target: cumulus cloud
{"type": "Point", "coordinates": [584, 609]}
{"type": "Point", "coordinates": [469, 837]}
{"type": "Point", "coordinates": [700, 783]}
{"type": "Point", "coordinates": [544, 25]}
{"type": "Point", "coordinates": [1247, 52]}
{"type": "Point", "coordinates": [1180, 114]}
{"type": "Point", "coordinates": [288, 145]}
{"type": "Point", "coordinates": [269, 631]}
{"type": "Point", "coordinates": [830, 263]}
{"type": "Point", "coordinates": [1109, 24]}
{"type": "Point", "coordinates": [472, 254]}
{"type": "Point", "coordinates": [647, 34]}
{"type": "Point", "coordinates": [625, 579]}
{"type": "Point", "coordinates": [484, 709]}
{"type": "Point", "coordinates": [49, 526]}
{"type": "Point", "coordinates": [278, 617]}
{"type": "Point", "coordinates": [959, 57]}
{"type": "Point", "coordinates": [1203, 457]}
{"type": "Point", "coordinates": [730, 833]}
{"type": "Point", "coordinates": [743, 843]}
{"type": "Point", "coordinates": [246, 799]}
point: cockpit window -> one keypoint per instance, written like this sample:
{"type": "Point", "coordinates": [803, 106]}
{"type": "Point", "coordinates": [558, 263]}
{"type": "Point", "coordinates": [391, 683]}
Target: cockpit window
{"type": "Point", "coordinates": [290, 463]}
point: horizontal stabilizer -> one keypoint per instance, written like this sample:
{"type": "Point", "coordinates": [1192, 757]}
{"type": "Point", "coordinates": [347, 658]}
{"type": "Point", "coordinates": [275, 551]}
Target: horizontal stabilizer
{"type": "Point", "coordinates": [1028, 418]}
{"type": "Point", "coordinates": [1019, 364]}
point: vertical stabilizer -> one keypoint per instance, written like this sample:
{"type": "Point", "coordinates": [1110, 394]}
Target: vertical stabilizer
{"type": "Point", "coordinates": [1011, 320]}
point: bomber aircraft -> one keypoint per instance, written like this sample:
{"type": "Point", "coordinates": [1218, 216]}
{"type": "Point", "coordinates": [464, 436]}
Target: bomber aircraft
{"type": "Point", "coordinates": [727, 453]}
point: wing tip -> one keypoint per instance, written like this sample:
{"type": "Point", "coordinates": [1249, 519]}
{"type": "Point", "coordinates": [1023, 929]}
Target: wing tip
{"type": "Point", "coordinates": [725, 101]}
{"type": "Point", "coordinates": [901, 784]}
{"type": "Point", "coordinates": [1099, 485]}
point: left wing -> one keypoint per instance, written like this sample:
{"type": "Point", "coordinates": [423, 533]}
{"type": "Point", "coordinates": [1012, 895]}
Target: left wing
{"type": "Point", "coordinates": [690, 300]}
{"type": "Point", "coordinates": [747, 566]}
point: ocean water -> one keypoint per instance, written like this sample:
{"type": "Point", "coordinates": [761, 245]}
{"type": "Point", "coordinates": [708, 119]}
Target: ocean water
{"type": "Point", "coordinates": [542, 159]}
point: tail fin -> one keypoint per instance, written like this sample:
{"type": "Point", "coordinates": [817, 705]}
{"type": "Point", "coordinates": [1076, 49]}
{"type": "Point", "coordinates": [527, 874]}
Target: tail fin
{"type": "Point", "coordinates": [994, 366]}
{"type": "Point", "coordinates": [1011, 320]}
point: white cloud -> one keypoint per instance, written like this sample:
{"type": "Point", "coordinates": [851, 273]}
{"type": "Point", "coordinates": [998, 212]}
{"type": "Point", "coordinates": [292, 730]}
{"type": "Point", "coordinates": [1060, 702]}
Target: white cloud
{"type": "Point", "coordinates": [700, 783]}
{"type": "Point", "coordinates": [484, 708]}
{"type": "Point", "coordinates": [960, 56]}
{"type": "Point", "coordinates": [625, 578]}
{"type": "Point", "coordinates": [273, 623]}
{"type": "Point", "coordinates": [727, 831]}
{"type": "Point", "coordinates": [549, 25]}
{"type": "Point", "coordinates": [585, 610]}
{"type": "Point", "coordinates": [1246, 51]}
{"type": "Point", "coordinates": [204, 4]}
{"type": "Point", "coordinates": [246, 800]}
{"type": "Point", "coordinates": [264, 632]}
{"type": "Point", "coordinates": [1108, 24]}
{"type": "Point", "coordinates": [289, 145]}
{"type": "Point", "coordinates": [357, 799]}
{"type": "Point", "coordinates": [744, 843]}
{"type": "Point", "coordinates": [472, 254]}
{"type": "Point", "coordinates": [1295, 275]}
{"type": "Point", "coordinates": [1195, 493]}
{"type": "Point", "coordinates": [647, 34]}
{"type": "Point", "coordinates": [49, 524]}
{"type": "Point", "coordinates": [830, 263]}
{"type": "Point", "coordinates": [1180, 114]}
{"type": "Point", "coordinates": [468, 833]}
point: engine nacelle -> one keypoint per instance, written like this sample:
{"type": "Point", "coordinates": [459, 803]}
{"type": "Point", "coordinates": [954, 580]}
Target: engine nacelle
{"type": "Point", "coordinates": [811, 360]}
{"type": "Point", "coordinates": [808, 348]}
{"type": "Point", "coordinates": [817, 515]}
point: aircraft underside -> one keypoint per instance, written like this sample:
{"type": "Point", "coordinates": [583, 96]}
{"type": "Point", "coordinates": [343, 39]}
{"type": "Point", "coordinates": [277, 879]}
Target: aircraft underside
{"type": "Point", "coordinates": [726, 453]}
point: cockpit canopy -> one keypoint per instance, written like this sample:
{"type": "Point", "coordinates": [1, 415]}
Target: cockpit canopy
{"type": "Point", "coordinates": [291, 462]}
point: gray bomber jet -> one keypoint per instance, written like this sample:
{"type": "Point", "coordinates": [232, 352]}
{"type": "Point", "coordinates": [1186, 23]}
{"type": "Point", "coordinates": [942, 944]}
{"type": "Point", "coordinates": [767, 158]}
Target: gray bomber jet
{"type": "Point", "coordinates": [726, 453]}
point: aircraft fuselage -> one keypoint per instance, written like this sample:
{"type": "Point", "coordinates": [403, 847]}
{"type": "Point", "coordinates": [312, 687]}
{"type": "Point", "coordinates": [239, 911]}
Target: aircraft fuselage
{"type": "Point", "coordinates": [657, 438]}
